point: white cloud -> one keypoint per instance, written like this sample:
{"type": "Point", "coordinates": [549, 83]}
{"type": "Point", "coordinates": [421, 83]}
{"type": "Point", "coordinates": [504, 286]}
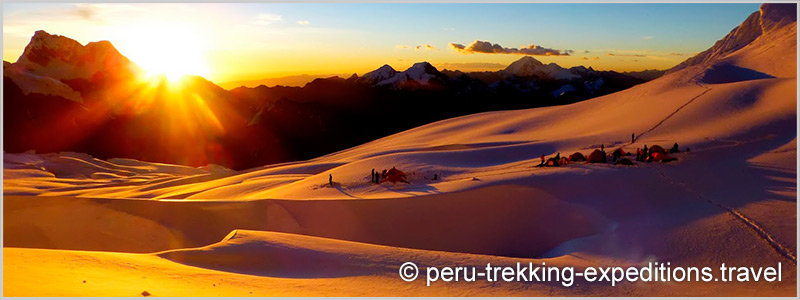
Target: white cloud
{"type": "Point", "coordinates": [425, 47]}
{"type": "Point", "coordinates": [268, 19]}
{"type": "Point", "coordinates": [303, 22]}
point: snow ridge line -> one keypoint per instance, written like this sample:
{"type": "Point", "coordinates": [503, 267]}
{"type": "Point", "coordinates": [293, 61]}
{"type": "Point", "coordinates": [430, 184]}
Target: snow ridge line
{"type": "Point", "coordinates": [777, 246]}
{"type": "Point", "coordinates": [636, 138]}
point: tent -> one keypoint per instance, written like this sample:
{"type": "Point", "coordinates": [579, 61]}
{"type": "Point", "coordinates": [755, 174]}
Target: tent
{"type": "Point", "coordinates": [657, 149]}
{"type": "Point", "coordinates": [597, 156]}
{"type": "Point", "coordinates": [661, 156]}
{"type": "Point", "coordinates": [577, 156]}
{"type": "Point", "coordinates": [394, 175]}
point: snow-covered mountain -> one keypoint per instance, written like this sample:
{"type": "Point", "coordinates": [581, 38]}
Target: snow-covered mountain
{"type": "Point", "coordinates": [383, 73]}
{"type": "Point", "coordinates": [49, 59]}
{"type": "Point", "coordinates": [422, 73]}
{"type": "Point", "coordinates": [529, 66]}
{"type": "Point", "coordinates": [60, 57]}
{"type": "Point", "coordinates": [770, 17]}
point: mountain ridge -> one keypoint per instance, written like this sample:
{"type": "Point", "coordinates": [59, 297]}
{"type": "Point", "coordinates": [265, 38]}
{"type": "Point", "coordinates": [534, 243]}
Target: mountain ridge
{"type": "Point", "coordinates": [769, 17]}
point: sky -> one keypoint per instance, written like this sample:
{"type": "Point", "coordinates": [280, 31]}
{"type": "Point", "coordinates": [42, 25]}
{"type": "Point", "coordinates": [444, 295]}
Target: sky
{"type": "Point", "coordinates": [229, 42]}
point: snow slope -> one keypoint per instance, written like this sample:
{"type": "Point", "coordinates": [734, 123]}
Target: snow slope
{"type": "Point", "coordinates": [285, 231]}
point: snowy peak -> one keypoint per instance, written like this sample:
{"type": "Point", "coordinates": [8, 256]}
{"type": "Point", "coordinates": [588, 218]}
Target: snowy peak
{"type": "Point", "coordinates": [529, 66]}
{"type": "Point", "coordinates": [771, 16]}
{"type": "Point", "coordinates": [60, 57]}
{"type": "Point", "coordinates": [380, 74]}
{"type": "Point", "coordinates": [50, 60]}
{"type": "Point", "coordinates": [420, 73]}
{"type": "Point", "coordinates": [776, 15]}
{"type": "Point", "coordinates": [422, 67]}
{"type": "Point", "coordinates": [525, 66]}
{"type": "Point", "coordinates": [43, 47]}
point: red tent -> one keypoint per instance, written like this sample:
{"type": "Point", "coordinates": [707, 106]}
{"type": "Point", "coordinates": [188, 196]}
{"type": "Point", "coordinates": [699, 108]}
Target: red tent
{"type": "Point", "coordinates": [657, 149]}
{"type": "Point", "coordinates": [659, 156]}
{"type": "Point", "coordinates": [394, 175]}
{"type": "Point", "coordinates": [597, 156]}
{"type": "Point", "coordinates": [577, 156]}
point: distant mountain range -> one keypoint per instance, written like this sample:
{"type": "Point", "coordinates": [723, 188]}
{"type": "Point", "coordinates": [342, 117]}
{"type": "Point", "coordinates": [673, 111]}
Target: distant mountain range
{"type": "Point", "coordinates": [293, 80]}
{"type": "Point", "coordinates": [526, 67]}
{"type": "Point", "coordinates": [64, 96]}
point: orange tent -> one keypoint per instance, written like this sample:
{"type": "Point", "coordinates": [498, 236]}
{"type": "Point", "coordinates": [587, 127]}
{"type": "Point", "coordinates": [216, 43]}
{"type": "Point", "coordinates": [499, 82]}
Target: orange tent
{"type": "Point", "coordinates": [618, 153]}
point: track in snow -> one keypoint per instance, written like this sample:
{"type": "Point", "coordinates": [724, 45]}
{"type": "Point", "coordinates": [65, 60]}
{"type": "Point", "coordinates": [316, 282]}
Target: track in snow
{"type": "Point", "coordinates": [764, 235]}
{"type": "Point", "coordinates": [636, 138]}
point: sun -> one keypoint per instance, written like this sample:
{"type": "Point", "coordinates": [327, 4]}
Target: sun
{"type": "Point", "coordinates": [173, 50]}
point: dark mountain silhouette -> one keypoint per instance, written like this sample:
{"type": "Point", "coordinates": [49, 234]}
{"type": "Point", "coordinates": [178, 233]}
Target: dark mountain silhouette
{"type": "Point", "coordinates": [63, 96]}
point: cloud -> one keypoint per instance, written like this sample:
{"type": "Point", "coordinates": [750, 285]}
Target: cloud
{"type": "Point", "coordinates": [626, 55]}
{"type": "Point", "coordinates": [585, 58]}
{"type": "Point", "coordinates": [487, 47]}
{"type": "Point", "coordinates": [585, 51]}
{"type": "Point", "coordinates": [267, 19]}
{"type": "Point", "coordinates": [86, 12]}
{"type": "Point", "coordinates": [303, 22]}
{"type": "Point", "coordinates": [596, 57]}
{"type": "Point", "coordinates": [648, 37]}
{"type": "Point", "coordinates": [425, 47]}
{"type": "Point", "coordinates": [677, 54]}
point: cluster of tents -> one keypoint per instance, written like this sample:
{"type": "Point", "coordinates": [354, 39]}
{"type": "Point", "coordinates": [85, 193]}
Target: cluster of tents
{"type": "Point", "coordinates": [392, 175]}
{"type": "Point", "coordinates": [655, 153]}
